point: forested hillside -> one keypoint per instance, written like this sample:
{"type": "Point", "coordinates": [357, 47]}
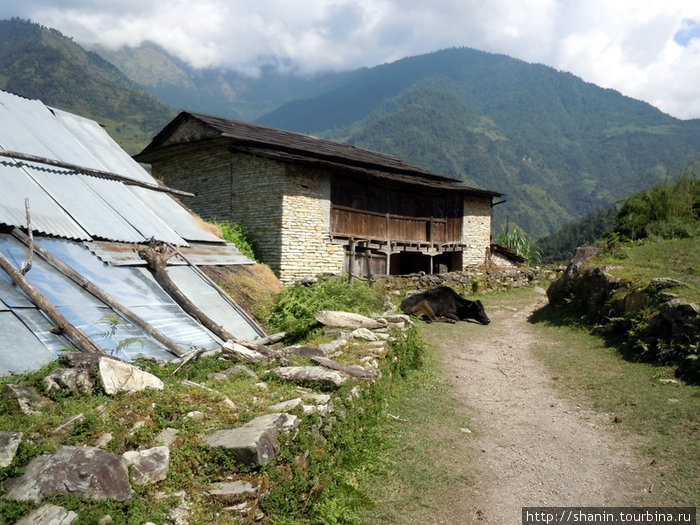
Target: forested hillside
{"type": "Point", "coordinates": [557, 146]}
{"type": "Point", "coordinates": [41, 63]}
{"type": "Point", "coordinates": [216, 91]}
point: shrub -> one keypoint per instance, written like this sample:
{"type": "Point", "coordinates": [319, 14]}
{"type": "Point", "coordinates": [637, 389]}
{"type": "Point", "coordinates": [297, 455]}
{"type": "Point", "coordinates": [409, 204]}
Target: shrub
{"type": "Point", "coordinates": [521, 243]}
{"type": "Point", "coordinates": [238, 235]}
{"type": "Point", "coordinates": [295, 308]}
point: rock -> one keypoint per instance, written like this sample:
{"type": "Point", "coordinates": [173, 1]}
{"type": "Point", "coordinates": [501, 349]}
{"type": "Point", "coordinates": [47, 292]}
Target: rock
{"type": "Point", "coordinates": [255, 442]}
{"type": "Point", "coordinates": [288, 406]}
{"type": "Point", "coordinates": [318, 399]}
{"type": "Point", "coordinates": [87, 472]}
{"type": "Point", "coordinates": [74, 380]}
{"type": "Point", "coordinates": [661, 283]}
{"type": "Point", "coordinates": [239, 370]}
{"type": "Point", "coordinates": [560, 289]}
{"type": "Point", "coordinates": [167, 436]}
{"type": "Point", "coordinates": [232, 492]}
{"type": "Point", "coordinates": [29, 400]}
{"type": "Point", "coordinates": [195, 415]}
{"type": "Point", "coordinates": [311, 374]}
{"type": "Point", "coordinates": [365, 334]}
{"type": "Point", "coordinates": [118, 376]}
{"type": "Point", "coordinates": [241, 353]}
{"type": "Point", "coordinates": [68, 426]}
{"type": "Point", "coordinates": [677, 318]}
{"type": "Point", "coordinates": [9, 443]}
{"type": "Point", "coordinates": [347, 319]}
{"type": "Point", "coordinates": [350, 370]}
{"type": "Point", "coordinates": [148, 466]}
{"type": "Point", "coordinates": [333, 346]}
{"type": "Point", "coordinates": [104, 440]}
{"type": "Point", "coordinates": [303, 351]}
{"type": "Point", "coordinates": [49, 515]}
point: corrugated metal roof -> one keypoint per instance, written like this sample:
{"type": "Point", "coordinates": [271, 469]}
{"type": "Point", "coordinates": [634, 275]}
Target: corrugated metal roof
{"type": "Point", "coordinates": [15, 133]}
{"type": "Point", "coordinates": [134, 211]}
{"type": "Point", "coordinates": [15, 335]}
{"type": "Point", "coordinates": [46, 215]}
{"type": "Point", "coordinates": [101, 146]}
{"type": "Point", "coordinates": [198, 254]}
{"type": "Point", "coordinates": [210, 301]}
{"type": "Point", "coordinates": [86, 207]}
{"type": "Point", "coordinates": [174, 214]}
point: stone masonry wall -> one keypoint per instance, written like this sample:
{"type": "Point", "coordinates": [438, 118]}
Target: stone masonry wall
{"type": "Point", "coordinates": [241, 188]}
{"type": "Point", "coordinates": [306, 246]}
{"type": "Point", "coordinates": [476, 231]}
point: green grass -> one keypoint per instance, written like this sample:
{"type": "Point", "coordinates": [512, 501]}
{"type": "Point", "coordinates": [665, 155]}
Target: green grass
{"type": "Point", "coordinates": [660, 417]}
{"type": "Point", "coordinates": [639, 262]}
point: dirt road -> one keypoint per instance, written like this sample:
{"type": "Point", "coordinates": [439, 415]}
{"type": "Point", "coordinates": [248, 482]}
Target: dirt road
{"type": "Point", "coordinates": [532, 447]}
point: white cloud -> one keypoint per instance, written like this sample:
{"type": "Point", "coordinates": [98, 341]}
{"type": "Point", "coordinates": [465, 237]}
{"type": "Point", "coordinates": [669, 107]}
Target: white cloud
{"type": "Point", "coordinates": [643, 48]}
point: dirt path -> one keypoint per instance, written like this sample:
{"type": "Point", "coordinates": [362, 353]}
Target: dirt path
{"type": "Point", "coordinates": [532, 447]}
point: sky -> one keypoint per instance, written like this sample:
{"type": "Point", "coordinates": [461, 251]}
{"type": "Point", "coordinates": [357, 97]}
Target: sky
{"type": "Point", "coordinates": [645, 49]}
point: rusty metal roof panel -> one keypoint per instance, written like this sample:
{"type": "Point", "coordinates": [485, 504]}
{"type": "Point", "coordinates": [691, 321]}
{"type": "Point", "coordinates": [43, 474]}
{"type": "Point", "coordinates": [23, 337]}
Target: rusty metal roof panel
{"type": "Point", "coordinates": [133, 210]}
{"type": "Point", "coordinates": [102, 147]}
{"type": "Point", "coordinates": [174, 214]}
{"type": "Point", "coordinates": [85, 206]}
{"type": "Point", "coordinates": [46, 215]}
{"type": "Point", "coordinates": [200, 254]}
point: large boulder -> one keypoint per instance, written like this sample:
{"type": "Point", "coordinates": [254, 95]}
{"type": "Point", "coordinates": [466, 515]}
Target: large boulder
{"type": "Point", "coordinates": [87, 472]}
{"type": "Point", "coordinates": [9, 443]}
{"type": "Point", "coordinates": [49, 515]}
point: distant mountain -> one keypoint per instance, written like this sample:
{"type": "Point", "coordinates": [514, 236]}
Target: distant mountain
{"type": "Point", "coordinates": [216, 91]}
{"type": "Point", "coordinates": [557, 146]}
{"type": "Point", "coordinates": [41, 63]}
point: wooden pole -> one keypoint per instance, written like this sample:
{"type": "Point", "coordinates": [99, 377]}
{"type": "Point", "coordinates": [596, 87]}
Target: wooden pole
{"type": "Point", "coordinates": [102, 295]}
{"type": "Point", "coordinates": [63, 325]}
{"type": "Point", "coordinates": [157, 255]}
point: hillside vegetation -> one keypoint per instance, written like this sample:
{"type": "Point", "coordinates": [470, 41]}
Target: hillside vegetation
{"type": "Point", "coordinates": [557, 146]}
{"type": "Point", "coordinates": [40, 63]}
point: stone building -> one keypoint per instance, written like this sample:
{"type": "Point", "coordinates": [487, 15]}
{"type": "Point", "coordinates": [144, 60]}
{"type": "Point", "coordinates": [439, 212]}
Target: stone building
{"type": "Point", "coordinates": [315, 206]}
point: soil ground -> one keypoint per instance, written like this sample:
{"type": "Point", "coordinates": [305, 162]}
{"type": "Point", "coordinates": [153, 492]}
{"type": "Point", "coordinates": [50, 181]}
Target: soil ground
{"type": "Point", "coordinates": [528, 446]}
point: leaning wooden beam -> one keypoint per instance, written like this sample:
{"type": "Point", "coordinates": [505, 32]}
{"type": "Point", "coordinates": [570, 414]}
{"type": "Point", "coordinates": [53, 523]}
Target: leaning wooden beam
{"type": "Point", "coordinates": [89, 171]}
{"type": "Point", "coordinates": [101, 295]}
{"type": "Point", "coordinates": [63, 325]}
{"type": "Point", "coordinates": [157, 255]}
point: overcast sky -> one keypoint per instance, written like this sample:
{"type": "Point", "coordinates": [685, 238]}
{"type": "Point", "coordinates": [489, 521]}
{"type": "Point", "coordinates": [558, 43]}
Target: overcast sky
{"type": "Point", "coordinates": [646, 49]}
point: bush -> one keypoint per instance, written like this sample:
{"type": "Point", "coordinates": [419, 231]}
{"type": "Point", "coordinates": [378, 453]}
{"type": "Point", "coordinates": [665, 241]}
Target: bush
{"type": "Point", "coordinates": [238, 235]}
{"type": "Point", "coordinates": [521, 243]}
{"type": "Point", "coordinates": [295, 308]}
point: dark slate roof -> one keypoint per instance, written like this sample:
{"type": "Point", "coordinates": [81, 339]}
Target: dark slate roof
{"type": "Point", "coordinates": [299, 147]}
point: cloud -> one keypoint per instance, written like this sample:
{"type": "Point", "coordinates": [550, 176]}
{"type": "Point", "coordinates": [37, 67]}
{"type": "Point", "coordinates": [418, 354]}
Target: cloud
{"type": "Point", "coordinates": [644, 48]}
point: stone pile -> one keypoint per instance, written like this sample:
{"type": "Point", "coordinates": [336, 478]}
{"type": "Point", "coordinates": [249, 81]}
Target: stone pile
{"type": "Point", "coordinates": [93, 473]}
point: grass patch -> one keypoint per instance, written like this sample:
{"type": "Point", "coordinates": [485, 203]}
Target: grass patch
{"type": "Point", "coordinates": [645, 403]}
{"type": "Point", "coordinates": [639, 262]}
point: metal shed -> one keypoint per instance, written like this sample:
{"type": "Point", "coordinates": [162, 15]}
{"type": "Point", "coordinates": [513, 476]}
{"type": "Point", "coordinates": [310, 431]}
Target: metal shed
{"type": "Point", "coordinates": [91, 207]}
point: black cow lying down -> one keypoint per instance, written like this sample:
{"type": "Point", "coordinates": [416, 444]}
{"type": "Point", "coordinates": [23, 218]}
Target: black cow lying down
{"type": "Point", "coordinates": [445, 304]}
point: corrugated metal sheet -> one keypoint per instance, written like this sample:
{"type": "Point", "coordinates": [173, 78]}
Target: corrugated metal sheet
{"type": "Point", "coordinates": [13, 296]}
{"type": "Point", "coordinates": [136, 289]}
{"type": "Point", "coordinates": [47, 216]}
{"type": "Point", "coordinates": [15, 133]}
{"type": "Point", "coordinates": [15, 335]}
{"type": "Point", "coordinates": [93, 214]}
{"type": "Point", "coordinates": [208, 299]}
{"type": "Point", "coordinates": [198, 254]}
{"type": "Point", "coordinates": [174, 214]}
{"type": "Point", "coordinates": [214, 255]}
{"type": "Point", "coordinates": [133, 210]}
{"type": "Point", "coordinates": [41, 326]}
{"type": "Point", "coordinates": [100, 145]}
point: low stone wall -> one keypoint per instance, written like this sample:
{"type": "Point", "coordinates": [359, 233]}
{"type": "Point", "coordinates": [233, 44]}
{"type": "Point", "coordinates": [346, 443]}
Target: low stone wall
{"type": "Point", "coordinates": [471, 281]}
